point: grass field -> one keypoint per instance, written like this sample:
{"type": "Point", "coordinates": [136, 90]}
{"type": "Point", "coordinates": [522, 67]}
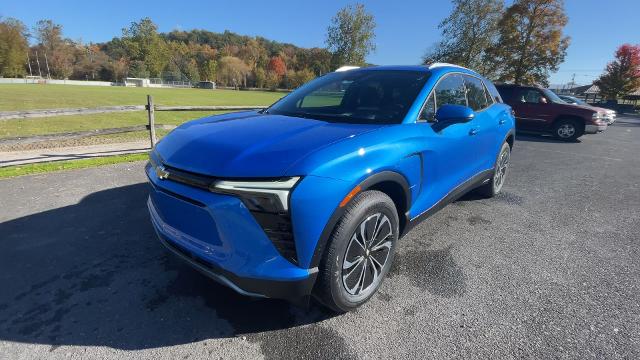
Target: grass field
{"type": "Point", "coordinates": [32, 96]}
{"type": "Point", "coordinates": [58, 124]}
{"type": "Point", "coordinates": [24, 97]}
{"type": "Point", "coordinates": [30, 169]}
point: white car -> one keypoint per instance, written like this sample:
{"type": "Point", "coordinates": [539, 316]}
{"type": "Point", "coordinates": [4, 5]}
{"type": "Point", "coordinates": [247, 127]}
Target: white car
{"type": "Point", "coordinates": [609, 115]}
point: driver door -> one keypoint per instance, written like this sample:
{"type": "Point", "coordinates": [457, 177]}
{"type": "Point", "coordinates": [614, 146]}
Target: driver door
{"type": "Point", "coordinates": [531, 109]}
{"type": "Point", "coordinates": [451, 153]}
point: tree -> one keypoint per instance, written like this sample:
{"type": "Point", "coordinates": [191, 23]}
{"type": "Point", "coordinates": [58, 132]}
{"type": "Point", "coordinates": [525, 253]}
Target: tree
{"type": "Point", "coordinates": [299, 78]}
{"type": "Point", "coordinates": [531, 43]}
{"type": "Point", "coordinates": [232, 71]}
{"type": "Point", "coordinates": [90, 62]}
{"type": "Point", "coordinates": [208, 72]}
{"type": "Point", "coordinates": [117, 70]}
{"type": "Point", "coordinates": [316, 59]}
{"type": "Point", "coordinates": [351, 35]}
{"type": "Point", "coordinates": [260, 77]}
{"type": "Point", "coordinates": [622, 75]}
{"type": "Point", "coordinates": [470, 29]}
{"type": "Point", "coordinates": [144, 44]}
{"type": "Point", "coordinates": [60, 52]}
{"type": "Point", "coordinates": [14, 48]}
{"type": "Point", "coordinates": [48, 34]}
{"type": "Point", "coordinates": [277, 65]}
{"type": "Point", "coordinates": [272, 80]}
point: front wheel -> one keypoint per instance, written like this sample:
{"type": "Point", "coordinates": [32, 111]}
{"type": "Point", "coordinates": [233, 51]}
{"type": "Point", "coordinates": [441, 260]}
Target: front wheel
{"type": "Point", "coordinates": [567, 130]}
{"type": "Point", "coordinates": [494, 186]}
{"type": "Point", "coordinates": [359, 253]}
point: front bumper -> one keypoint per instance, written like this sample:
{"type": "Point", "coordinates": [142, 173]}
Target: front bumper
{"type": "Point", "coordinates": [594, 129]}
{"type": "Point", "coordinates": [218, 236]}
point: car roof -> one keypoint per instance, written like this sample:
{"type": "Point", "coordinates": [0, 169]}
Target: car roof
{"type": "Point", "coordinates": [436, 69]}
{"type": "Point", "coordinates": [502, 85]}
{"type": "Point", "coordinates": [420, 68]}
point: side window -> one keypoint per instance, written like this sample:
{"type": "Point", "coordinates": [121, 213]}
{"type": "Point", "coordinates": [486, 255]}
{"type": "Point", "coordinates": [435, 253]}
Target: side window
{"type": "Point", "coordinates": [490, 97]}
{"type": "Point", "coordinates": [530, 96]}
{"type": "Point", "coordinates": [428, 113]}
{"type": "Point", "coordinates": [504, 92]}
{"type": "Point", "coordinates": [450, 90]}
{"type": "Point", "coordinates": [475, 93]}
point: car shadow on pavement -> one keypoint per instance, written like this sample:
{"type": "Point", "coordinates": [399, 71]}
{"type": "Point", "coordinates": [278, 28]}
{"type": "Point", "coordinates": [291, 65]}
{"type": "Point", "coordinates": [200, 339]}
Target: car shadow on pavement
{"type": "Point", "coordinates": [93, 273]}
{"type": "Point", "coordinates": [531, 137]}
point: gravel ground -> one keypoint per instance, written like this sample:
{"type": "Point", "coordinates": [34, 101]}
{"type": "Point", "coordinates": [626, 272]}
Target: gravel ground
{"type": "Point", "coordinates": [549, 269]}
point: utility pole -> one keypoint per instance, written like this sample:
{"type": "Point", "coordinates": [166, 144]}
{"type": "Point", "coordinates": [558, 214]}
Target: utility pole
{"type": "Point", "coordinates": [47, 62]}
{"type": "Point", "coordinates": [29, 63]}
{"type": "Point", "coordinates": [38, 62]}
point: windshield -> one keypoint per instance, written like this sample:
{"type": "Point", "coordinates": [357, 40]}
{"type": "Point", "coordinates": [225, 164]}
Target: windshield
{"type": "Point", "coordinates": [551, 96]}
{"type": "Point", "coordinates": [356, 96]}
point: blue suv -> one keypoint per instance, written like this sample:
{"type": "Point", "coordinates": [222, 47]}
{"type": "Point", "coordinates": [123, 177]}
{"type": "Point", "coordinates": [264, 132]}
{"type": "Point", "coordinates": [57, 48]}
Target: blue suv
{"type": "Point", "coordinates": [310, 196]}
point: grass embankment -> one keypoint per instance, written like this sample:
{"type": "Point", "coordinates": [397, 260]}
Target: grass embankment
{"type": "Point", "coordinates": [30, 169]}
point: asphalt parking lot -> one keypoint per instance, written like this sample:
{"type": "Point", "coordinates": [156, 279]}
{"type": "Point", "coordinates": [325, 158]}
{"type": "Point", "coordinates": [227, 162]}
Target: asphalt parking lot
{"type": "Point", "coordinates": [549, 269]}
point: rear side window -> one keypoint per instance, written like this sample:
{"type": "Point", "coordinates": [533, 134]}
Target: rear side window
{"type": "Point", "coordinates": [451, 90]}
{"type": "Point", "coordinates": [476, 95]}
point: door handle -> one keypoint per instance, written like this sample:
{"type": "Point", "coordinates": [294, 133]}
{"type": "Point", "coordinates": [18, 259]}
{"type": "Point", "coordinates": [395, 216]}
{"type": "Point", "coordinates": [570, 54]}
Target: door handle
{"type": "Point", "coordinates": [502, 121]}
{"type": "Point", "coordinates": [473, 132]}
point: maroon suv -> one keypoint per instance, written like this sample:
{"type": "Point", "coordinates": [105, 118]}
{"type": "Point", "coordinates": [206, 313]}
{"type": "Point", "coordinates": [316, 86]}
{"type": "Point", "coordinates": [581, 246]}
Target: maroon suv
{"type": "Point", "coordinates": [541, 110]}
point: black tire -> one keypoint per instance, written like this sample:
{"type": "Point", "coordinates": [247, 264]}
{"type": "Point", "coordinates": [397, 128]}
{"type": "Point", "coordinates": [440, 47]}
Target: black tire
{"type": "Point", "coordinates": [494, 186]}
{"type": "Point", "coordinates": [567, 130]}
{"type": "Point", "coordinates": [331, 289]}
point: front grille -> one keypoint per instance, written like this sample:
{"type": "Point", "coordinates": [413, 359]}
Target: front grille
{"type": "Point", "coordinates": [188, 178]}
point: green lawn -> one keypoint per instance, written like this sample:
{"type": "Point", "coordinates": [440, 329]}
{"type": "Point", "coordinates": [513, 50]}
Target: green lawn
{"type": "Point", "coordinates": [29, 169]}
{"type": "Point", "coordinates": [59, 124]}
{"type": "Point", "coordinates": [33, 96]}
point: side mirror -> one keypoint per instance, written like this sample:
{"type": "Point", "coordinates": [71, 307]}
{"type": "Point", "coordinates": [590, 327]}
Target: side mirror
{"type": "Point", "coordinates": [454, 114]}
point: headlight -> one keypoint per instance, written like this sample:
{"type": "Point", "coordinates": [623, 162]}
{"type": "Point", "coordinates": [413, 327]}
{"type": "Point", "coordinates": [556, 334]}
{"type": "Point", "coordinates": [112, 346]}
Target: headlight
{"type": "Point", "coordinates": [596, 116]}
{"type": "Point", "coordinates": [269, 196]}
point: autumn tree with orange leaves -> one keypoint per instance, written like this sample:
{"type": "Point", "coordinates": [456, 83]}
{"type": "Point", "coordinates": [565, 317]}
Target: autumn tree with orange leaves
{"type": "Point", "coordinates": [622, 75]}
{"type": "Point", "coordinates": [277, 65]}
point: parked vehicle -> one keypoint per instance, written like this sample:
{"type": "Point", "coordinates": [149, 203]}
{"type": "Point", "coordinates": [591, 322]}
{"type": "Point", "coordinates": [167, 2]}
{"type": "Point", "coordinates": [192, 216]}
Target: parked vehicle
{"type": "Point", "coordinates": [609, 115]}
{"type": "Point", "coordinates": [310, 196]}
{"type": "Point", "coordinates": [541, 110]}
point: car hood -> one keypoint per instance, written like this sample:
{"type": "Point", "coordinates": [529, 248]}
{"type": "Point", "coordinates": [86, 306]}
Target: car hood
{"type": "Point", "coordinates": [577, 109]}
{"type": "Point", "coordinates": [603, 110]}
{"type": "Point", "coordinates": [249, 144]}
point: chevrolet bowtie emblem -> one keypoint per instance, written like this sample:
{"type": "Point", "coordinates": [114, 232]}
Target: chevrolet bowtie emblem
{"type": "Point", "coordinates": [162, 172]}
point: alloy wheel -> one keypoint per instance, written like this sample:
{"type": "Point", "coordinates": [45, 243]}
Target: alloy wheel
{"type": "Point", "coordinates": [566, 131]}
{"type": "Point", "coordinates": [501, 170]}
{"type": "Point", "coordinates": [367, 255]}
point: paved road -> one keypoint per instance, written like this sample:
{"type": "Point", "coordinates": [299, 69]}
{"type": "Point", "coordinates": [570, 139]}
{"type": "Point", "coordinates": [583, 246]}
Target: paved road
{"type": "Point", "coordinates": [548, 269]}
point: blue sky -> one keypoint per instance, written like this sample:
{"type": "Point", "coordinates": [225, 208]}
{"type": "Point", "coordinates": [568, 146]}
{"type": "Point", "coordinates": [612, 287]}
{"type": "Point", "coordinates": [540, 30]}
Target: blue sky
{"type": "Point", "coordinates": [405, 28]}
